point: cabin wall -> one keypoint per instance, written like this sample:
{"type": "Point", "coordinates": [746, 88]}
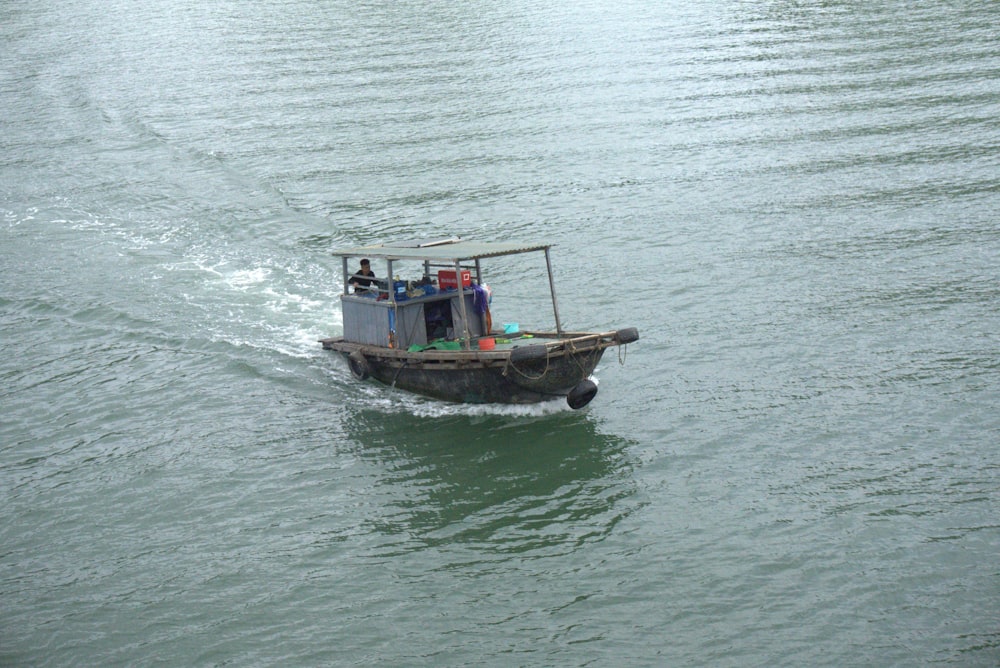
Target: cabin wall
{"type": "Point", "coordinates": [368, 322]}
{"type": "Point", "coordinates": [475, 320]}
{"type": "Point", "coordinates": [410, 326]}
{"type": "Point", "coordinates": [365, 321]}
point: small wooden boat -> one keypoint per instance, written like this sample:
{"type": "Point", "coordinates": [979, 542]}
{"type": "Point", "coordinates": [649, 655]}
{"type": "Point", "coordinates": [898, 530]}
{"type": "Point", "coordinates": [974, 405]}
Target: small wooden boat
{"type": "Point", "coordinates": [434, 336]}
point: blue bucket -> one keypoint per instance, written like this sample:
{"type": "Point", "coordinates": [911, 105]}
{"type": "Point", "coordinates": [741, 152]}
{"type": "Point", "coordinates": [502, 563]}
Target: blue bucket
{"type": "Point", "coordinates": [399, 287]}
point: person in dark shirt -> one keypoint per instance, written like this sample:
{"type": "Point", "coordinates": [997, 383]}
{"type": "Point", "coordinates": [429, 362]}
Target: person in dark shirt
{"type": "Point", "coordinates": [363, 278]}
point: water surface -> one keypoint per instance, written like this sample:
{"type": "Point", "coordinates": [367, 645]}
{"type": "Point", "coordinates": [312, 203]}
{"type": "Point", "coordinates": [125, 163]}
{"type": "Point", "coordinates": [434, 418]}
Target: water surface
{"type": "Point", "coordinates": [794, 203]}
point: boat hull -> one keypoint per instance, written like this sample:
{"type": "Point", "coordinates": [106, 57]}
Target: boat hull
{"type": "Point", "coordinates": [547, 369]}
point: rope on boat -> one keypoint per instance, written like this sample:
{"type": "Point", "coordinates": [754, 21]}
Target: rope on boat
{"type": "Point", "coordinates": [622, 354]}
{"type": "Point", "coordinates": [572, 351]}
{"type": "Point", "coordinates": [510, 365]}
{"type": "Point", "coordinates": [398, 371]}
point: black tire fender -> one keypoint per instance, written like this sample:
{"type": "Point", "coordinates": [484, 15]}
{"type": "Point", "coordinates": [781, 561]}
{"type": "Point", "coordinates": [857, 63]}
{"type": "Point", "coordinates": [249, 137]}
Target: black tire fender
{"type": "Point", "coordinates": [532, 352]}
{"type": "Point", "coordinates": [358, 364]}
{"type": "Point", "coordinates": [627, 335]}
{"type": "Point", "coordinates": [581, 395]}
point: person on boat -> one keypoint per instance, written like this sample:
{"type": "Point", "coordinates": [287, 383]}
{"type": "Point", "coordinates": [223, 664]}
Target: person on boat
{"type": "Point", "coordinates": [364, 277]}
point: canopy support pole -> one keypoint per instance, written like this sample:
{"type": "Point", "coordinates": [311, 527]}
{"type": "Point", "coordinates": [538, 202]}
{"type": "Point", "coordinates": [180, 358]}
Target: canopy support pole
{"type": "Point", "coordinates": [461, 304]}
{"type": "Point", "coordinates": [552, 290]}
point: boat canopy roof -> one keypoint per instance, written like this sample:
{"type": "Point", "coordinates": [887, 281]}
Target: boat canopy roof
{"type": "Point", "coordinates": [440, 250]}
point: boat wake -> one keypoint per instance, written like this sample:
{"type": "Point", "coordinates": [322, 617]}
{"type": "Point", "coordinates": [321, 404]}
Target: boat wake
{"type": "Point", "coordinates": [374, 396]}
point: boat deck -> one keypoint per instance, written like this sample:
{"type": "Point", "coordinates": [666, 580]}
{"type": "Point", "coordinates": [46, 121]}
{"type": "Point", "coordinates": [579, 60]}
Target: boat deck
{"type": "Point", "coordinates": [503, 345]}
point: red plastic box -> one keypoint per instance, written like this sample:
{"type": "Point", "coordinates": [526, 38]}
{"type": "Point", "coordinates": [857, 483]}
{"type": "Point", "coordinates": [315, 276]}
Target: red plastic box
{"type": "Point", "coordinates": [446, 279]}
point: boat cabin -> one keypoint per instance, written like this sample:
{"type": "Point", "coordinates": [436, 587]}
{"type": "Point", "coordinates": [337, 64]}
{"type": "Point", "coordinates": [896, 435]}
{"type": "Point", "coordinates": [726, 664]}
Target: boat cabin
{"type": "Point", "coordinates": [446, 299]}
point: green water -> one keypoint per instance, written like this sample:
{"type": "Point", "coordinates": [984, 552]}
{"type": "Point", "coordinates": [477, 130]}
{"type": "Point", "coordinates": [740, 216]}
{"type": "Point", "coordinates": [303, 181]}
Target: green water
{"type": "Point", "coordinates": [795, 204]}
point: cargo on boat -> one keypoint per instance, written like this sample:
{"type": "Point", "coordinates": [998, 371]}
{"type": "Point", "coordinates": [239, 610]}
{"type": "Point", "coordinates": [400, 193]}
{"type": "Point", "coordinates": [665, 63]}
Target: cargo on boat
{"type": "Point", "coordinates": [434, 335]}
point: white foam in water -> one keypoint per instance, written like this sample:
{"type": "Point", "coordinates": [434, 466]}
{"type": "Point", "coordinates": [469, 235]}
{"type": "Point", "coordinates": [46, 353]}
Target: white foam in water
{"type": "Point", "coordinates": [395, 400]}
{"type": "Point", "coordinates": [244, 278]}
{"type": "Point", "coordinates": [399, 401]}
{"type": "Point", "coordinates": [506, 410]}
{"type": "Point", "coordinates": [301, 343]}
{"type": "Point", "coordinates": [282, 300]}
{"type": "Point", "coordinates": [262, 305]}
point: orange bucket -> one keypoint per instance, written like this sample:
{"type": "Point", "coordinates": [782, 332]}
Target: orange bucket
{"type": "Point", "coordinates": [488, 343]}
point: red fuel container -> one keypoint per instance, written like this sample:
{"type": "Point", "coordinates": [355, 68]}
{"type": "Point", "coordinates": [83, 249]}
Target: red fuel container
{"type": "Point", "coordinates": [446, 279]}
